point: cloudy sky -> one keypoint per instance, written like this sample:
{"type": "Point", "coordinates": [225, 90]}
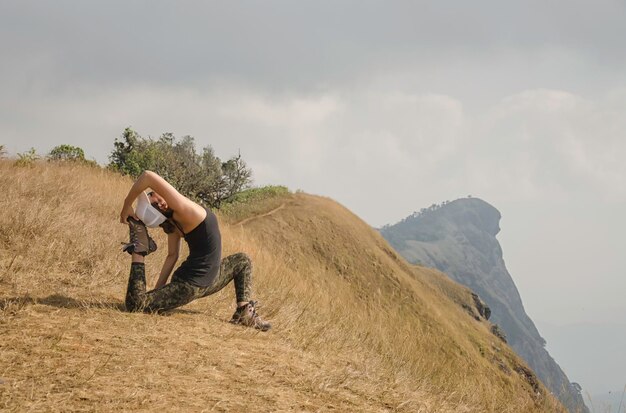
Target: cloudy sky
{"type": "Point", "coordinates": [386, 107]}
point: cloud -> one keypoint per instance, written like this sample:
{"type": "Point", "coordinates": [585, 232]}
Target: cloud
{"type": "Point", "coordinates": [305, 47]}
{"type": "Point", "coordinates": [413, 148]}
{"type": "Point", "coordinates": [570, 144]}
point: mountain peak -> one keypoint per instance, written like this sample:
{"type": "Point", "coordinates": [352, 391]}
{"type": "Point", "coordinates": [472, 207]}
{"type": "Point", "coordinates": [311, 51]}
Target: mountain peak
{"type": "Point", "coordinates": [472, 211]}
{"type": "Point", "coordinates": [458, 238]}
{"type": "Point", "coordinates": [461, 212]}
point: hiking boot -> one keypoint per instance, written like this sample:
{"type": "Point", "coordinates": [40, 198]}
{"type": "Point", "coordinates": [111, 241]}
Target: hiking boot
{"type": "Point", "coordinates": [140, 242]}
{"type": "Point", "coordinates": [246, 315]}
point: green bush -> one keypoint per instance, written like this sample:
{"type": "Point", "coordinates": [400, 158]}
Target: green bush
{"type": "Point", "coordinates": [66, 153]}
{"type": "Point", "coordinates": [69, 153]}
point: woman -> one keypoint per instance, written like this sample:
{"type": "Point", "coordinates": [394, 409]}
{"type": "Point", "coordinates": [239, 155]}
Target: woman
{"type": "Point", "coordinates": [202, 273]}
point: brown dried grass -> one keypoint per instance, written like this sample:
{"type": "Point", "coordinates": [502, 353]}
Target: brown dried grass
{"type": "Point", "coordinates": [355, 327]}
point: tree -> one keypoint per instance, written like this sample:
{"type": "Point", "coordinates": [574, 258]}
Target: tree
{"type": "Point", "coordinates": [125, 158]}
{"type": "Point", "coordinates": [3, 151]}
{"type": "Point", "coordinates": [203, 178]}
{"type": "Point", "coordinates": [236, 177]}
{"type": "Point", "coordinates": [66, 153]}
{"type": "Point", "coordinates": [211, 184]}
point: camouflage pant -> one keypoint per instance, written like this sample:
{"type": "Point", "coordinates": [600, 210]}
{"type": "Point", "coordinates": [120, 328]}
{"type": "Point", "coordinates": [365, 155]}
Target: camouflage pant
{"type": "Point", "coordinates": [178, 292]}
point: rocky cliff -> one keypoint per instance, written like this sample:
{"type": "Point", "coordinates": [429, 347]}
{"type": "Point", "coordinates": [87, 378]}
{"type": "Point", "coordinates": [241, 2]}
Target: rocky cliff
{"type": "Point", "coordinates": [459, 238]}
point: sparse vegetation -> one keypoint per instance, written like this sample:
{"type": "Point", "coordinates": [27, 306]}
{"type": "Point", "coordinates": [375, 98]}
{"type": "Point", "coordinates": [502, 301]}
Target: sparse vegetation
{"type": "Point", "coordinates": [254, 201]}
{"type": "Point", "coordinates": [27, 158]}
{"type": "Point", "coordinates": [356, 328]}
{"type": "Point", "coordinates": [417, 214]}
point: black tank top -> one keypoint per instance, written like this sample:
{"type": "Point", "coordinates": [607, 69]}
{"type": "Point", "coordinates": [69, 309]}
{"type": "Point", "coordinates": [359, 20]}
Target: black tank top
{"type": "Point", "coordinates": [205, 253]}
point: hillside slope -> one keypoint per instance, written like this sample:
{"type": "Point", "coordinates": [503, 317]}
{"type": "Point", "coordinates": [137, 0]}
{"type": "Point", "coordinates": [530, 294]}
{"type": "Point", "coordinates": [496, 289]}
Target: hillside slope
{"type": "Point", "coordinates": [459, 238]}
{"type": "Point", "coordinates": [356, 328]}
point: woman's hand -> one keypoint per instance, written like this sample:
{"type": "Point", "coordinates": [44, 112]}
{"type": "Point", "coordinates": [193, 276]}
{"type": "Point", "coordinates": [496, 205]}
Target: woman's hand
{"type": "Point", "coordinates": [127, 211]}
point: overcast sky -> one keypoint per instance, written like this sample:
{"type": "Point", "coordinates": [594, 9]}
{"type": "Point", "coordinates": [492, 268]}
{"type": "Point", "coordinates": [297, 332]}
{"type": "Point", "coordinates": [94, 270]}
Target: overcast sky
{"type": "Point", "coordinates": [386, 107]}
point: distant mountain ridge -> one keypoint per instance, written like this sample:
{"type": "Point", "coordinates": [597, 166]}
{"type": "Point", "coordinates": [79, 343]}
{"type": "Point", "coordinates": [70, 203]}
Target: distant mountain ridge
{"type": "Point", "coordinates": [459, 239]}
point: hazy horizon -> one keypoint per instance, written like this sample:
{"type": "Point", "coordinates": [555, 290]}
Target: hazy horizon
{"type": "Point", "coordinates": [387, 108]}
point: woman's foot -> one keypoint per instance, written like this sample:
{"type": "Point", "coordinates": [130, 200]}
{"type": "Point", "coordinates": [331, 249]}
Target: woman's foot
{"type": "Point", "coordinates": [140, 242]}
{"type": "Point", "coordinates": [246, 315]}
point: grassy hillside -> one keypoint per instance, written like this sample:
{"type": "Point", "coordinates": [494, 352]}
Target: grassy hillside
{"type": "Point", "coordinates": [355, 327]}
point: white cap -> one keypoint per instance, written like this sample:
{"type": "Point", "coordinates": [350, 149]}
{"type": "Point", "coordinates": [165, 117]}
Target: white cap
{"type": "Point", "coordinates": [150, 216]}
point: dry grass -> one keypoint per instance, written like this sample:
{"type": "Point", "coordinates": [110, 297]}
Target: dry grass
{"type": "Point", "coordinates": [355, 327]}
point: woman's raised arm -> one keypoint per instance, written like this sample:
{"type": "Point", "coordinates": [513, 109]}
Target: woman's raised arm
{"type": "Point", "coordinates": [149, 179]}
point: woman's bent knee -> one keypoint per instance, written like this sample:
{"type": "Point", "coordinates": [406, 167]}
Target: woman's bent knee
{"type": "Point", "coordinates": [242, 259]}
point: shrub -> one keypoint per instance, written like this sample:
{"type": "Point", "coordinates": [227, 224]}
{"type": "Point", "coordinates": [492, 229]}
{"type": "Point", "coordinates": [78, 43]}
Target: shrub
{"type": "Point", "coordinates": [69, 153]}
{"type": "Point", "coordinates": [27, 158]}
{"type": "Point", "coordinates": [3, 151]}
{"type": "Point", "coordinates": [66, 153]}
